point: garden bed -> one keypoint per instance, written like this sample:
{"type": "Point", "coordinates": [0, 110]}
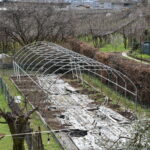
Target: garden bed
{"type": "Point", "coordinates": [69, 109]}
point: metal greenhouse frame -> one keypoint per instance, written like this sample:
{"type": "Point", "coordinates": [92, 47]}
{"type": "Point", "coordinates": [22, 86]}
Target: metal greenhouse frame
{"type": "Point", "coordinates": [42, 59]}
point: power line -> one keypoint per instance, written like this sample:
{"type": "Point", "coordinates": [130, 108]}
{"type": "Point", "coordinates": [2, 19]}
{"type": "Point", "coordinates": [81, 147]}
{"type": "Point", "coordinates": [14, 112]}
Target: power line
{"type": "Point", "coordinates": [28, 133]}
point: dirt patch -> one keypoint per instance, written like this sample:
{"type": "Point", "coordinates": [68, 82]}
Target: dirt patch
{"type": "Point", "coordinates": [96, 103]}
{"type": "Point", "coordinates": [2, 136]}
{"type": "Point", "coordinates": [38, 98]}
{"type": "Point", "coordinates": [97, 96]}
{"type": "Point", "coordinates": [128, 115]}
{"type": "Point", "coordinates": [114, 106]}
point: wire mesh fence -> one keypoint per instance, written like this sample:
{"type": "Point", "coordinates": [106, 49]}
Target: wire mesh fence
{"type": "Point", "coordinates": [34, 141]}
{"type": "Point", "coordinates": [4, 90]}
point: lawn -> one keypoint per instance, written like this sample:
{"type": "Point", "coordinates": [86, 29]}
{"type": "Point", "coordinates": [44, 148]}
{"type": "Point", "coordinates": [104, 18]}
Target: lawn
{"type": "Point", "coordinates": [6, 142]}
{"type": "Point", "coordinates": [35, 119]}
{"type": "Point", "coordinates": [113, 48]}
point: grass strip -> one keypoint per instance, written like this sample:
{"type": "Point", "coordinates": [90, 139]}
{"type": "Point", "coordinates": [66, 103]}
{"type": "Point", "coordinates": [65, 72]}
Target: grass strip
{"type": "Point", "coordinates": [116, 97]}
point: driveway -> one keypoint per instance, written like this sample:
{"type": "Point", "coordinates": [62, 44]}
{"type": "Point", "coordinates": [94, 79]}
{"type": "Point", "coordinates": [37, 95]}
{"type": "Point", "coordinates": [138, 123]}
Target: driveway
{"type": "Point", "coordinates": [124, 54]}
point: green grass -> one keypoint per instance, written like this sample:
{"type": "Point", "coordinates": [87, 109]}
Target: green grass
{"type": "Point", "coordinates": [137, 54]}
{"type": "Point", "coordinates": [116, 44]}
{"type": "Point", "coordinates": [116, 97]}
{"type": "Point", "coordinates": [35, 123]}
{"type": "Point", "coordinates": [5, 74]}
{"type": "Point", "coordinates": [6, 142]}
{"type": "Point", "coordinates": [87, 39]}
{"type": "Point", "coordinates": [3, 103]}
{"type": "Point", "coordinates": [12, 89]}
{"type": "Point", "coordinates": [113, 48]}
{"type": "Point", "coordinates": [12, 48]}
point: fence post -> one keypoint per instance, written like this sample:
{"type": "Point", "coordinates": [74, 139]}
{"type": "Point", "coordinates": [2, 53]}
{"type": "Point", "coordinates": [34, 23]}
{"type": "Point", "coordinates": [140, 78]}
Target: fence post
{"type": "Point", "coordinates": [37, 141]}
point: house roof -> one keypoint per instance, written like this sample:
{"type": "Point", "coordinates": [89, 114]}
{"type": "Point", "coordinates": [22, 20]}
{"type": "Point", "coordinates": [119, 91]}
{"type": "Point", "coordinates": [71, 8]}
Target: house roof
{"type": "Point", "coordinates": [118, 1]}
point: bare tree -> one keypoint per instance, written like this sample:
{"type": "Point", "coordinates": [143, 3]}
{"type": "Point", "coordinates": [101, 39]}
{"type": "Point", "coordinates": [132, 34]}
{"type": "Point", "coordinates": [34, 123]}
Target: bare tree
{"type": "Point", "coordinates": [18, 123]}
{"type": "Point", "coordinates": [34, 23]}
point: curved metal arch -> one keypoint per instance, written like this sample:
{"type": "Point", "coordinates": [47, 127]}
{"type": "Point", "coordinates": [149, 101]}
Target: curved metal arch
{"type": "Point", "coordinates": [43, 74]}
{"type": "Point", "coordinates": [29, 47]}
{"type": "Point", "coordinates": [53, 66]}
{"type": "Point", "coordinates": [67, 65]}
{"type": "Point", "coordinates": [49, 56]}
{"type": "Point", "coordinates": [21, 50]}
{"type": "Point", "coordinates": [59, 78]}
{"type": "Point", "coordinates": [19, 53]}
{"type": "Point", "coordinates": [68, 70]}
{"type": "Point", "coordinates": [93, 73]}
{"type": "Point", "coordinates": [51, 52]}
{"type": "Point", "coordinates": [49, 62]}
{"type": "Point", "coordinates": [33, 49]}
{"type": "Point", "coordinates": [42, 60]}
{"type": "Point", "coordinates": [78, 56]}
{"type": "Point", "coordinates": [82, 56]}
{"type": "Point", "coordinates": [118, 72]}
{"type": "Point", "coordinates": [120, 77]}
{"type": "Point", "coordinates": [33, 55]}
{"type": "Point", "coordinates": [25, 55]}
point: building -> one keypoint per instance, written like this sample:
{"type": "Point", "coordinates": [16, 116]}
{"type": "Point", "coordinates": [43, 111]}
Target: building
{"type": "Point", "coordinates": [105, 4]}
{"type": "Point", "coordinates": [117, 4]}
{"type": "Point", "coordinates": [86, 4]}
{"type": "Point", "coordinates": [146, 48]}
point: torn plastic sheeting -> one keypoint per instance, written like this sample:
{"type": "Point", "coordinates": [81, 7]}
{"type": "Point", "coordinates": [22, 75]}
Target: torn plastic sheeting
{"type": "Point", "coordinates": [101, 125]}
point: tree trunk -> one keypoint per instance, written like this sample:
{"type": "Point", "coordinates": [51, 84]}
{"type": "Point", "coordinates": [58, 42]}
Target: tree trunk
{"type": "Point", "coordinates": [18, 143]}
{"type": "Point", "coordinates": [125, 41]}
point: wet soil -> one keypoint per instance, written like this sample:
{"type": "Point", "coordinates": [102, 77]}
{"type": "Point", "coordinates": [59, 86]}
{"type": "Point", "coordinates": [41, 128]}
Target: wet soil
{"type": "Point", "coordinates": [98, 97]}
{"type": "Point", "coordinates": [37, 98]}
